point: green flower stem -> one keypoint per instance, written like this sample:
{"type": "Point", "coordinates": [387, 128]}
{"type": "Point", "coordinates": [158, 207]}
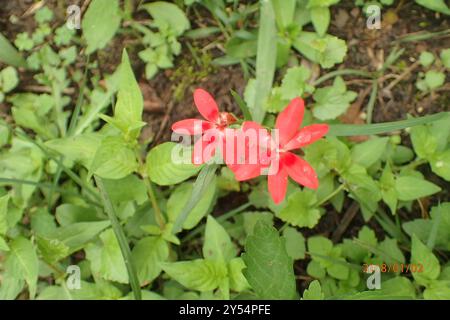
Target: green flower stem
{"type": "Point", "coordinates": [121, 238]}
{"type": "Point", "coordinates": [331, 195]}
{"type": "Point", "coordinates": [372, 99]}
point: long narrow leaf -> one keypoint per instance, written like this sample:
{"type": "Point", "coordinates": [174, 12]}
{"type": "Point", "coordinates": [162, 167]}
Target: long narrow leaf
{"type": "Point", "coordinates": [265, 60]}
{"type": "Point", "coordinates": [201, 184]}
{"type": "Point", "coordinates": [377, 128]}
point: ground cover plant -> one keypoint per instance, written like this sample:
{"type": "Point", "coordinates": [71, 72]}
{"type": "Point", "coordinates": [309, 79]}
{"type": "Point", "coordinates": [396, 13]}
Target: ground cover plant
{"type": "Point", "coordinates": [224, 149]}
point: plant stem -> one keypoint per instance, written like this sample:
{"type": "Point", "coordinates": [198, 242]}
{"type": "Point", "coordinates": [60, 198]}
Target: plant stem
{"type": "Point", "coordinates": [331, 195]}
{"type": "Point", "coordinates": [151, 193]}
{"type": "Point", "coordinates": [372, 99]}
{"type": "Point", "coordinates": [121, 238]}
{"type": "Point", "coordinates": [343, 72]}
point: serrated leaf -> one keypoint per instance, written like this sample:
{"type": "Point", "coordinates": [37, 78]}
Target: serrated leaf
{"type": "Point", "coordinates": [301, 209]}
{"type": "Point", "coordinates": [170, 14]}
{"type": "Point", "coordinates": [269, 268]}
{"type": "Point", "coordinates": [295, 243]}
{"type": "Point", "coordinates": [314, 291]}
{"type": "Point", "coordinates": [147, 255]}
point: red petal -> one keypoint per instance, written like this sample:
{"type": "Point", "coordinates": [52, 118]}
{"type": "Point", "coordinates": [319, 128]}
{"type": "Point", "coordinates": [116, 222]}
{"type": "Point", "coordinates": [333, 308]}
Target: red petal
{"type": "Point", "coordinates": [191, 126]}
{"type": "Point", "coordinates": [204, 150]}
{"type": "Point", "coordinates": [277, 184]}
{"type": "Point", "coordinates": [244, 172]}
{"type": "Point", "coordinates": [300, 170]}
{"type": "Point", "coordinates": [206, 105]}
{"type": "Point", "coordinates": [307, 135]}
{"type": "Point", "coordinates": [289, 120]}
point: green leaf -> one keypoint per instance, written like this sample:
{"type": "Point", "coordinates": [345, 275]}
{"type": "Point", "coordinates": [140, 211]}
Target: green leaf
{"type": "Point", "coordinates": [217, 245]}
{"type": "Point", "coordinates": [3, 214]}
{"type": "Point", "coordinates": [426, 58]}
{"type": "Point", "coordinates": [440, 164]}
{"type": "Point", "coordinates": [284, 12]}
{"type": "Point", "coordinates": [377, 128]}
{"type": "Point", "coordinates": [106, 259]}
{"type": "Point", "coordinates": [327, 50]}
{"type": "Point", "coordinates": [295, 243]}
{"type": "Point", "coordinates": [52, 250]}
{"type": "Point", "coordinates": [237, 280]}
{"type": "Point", "coordinates": [437, 290]}
{"type": "Point", "coordinates": [100, 23]}
{"type": "Point", "coordinates": [130, 104]}
{"type": "Point", "coordinates": [3, 245]}
{"type": "Point", "coordinates": [369, 152]}
{"type": "Point", "coordinates": [114, 159]}
{"type": "Point", "coordinates": [411, 188]}
{"type": "Point", "coordinates": [8, 79]}
{"type": "Point", "coordinates": [445, 57]}
{"type": "Point", "coordinates": [201, 275]}
{"type": "Point", "coordinates": [169, 13]}
{"type": "Point", "coordinates": [76, 235]}
{"type": "Point", "coordinates": [387, 187]}
{"type": "Point", "coordinates": [81, 148]}
{"type": "Point", "coordinates": [314, 291]}
{"type": "Point", "coordinates": [294, 83]}
{"type": "Point", "coordinates": [147, 255]}
{"type": "Point", "coordinates": [9, 54]}
{"type": "Point", "coordinates": [332, 101]}
{"type": "Point", "coordinates": [43, 15]}
{"type": "Point", "coordinates": [301, 209]}
{"type": "Point", "coordinates": [269, 268]}
{"type": "Point", "coordinates": [22, 257]}
{"type": "Point", "coordinates": [180, 197]}
{"type": "Point", "coordinates": [424, 142]}
{"type": "Point", "coordinates": [436, 5]}
{"type": "Point", "coordinates": [320, 17]}
{"type": "Point", "coordinates": [265, 60]}
{"type": "Point", "coordinates": [166, 166]}
{"type": "Point", "coordinates": [422, 255]}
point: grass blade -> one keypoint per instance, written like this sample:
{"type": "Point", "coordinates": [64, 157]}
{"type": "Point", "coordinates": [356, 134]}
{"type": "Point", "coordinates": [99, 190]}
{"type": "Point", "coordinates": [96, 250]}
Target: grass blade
{"type": "Point", "coordinates": [9, 54]}
{"type": "Point", "coordinates": [204, 179]}
{"type": "Point", "coordinates": [346, 130]}
{"type": "Point", "coordinates": [121, 238]}
{"type": "Point", "coordinates": [242, 105]}
{"type": "Point", "coordinates": [265, 60]}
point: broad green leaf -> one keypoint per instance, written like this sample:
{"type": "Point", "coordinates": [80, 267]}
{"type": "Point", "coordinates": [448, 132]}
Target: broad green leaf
{"type": "Point", "coordinates": [390, 253]}
{"type": "Point", "coordinates": [445, 57]}
{"type": "Point", "coordinates": [437, 290]}
{"type": "Point", "coordinates": [327, 50]}
{"type": "Point", "coordinates": [269, 268]}
{"type": "Point", "coordinates": [81, 148]}
{"type": "Point", "coordinates": [201, 275]}
{"type": "Point", "coordinates": [169, 13]}
{"type": "Point", "coordinates": [3, 214]}
{"type": "Point", "coordinates": [22, 257]}
{"type": "Point", "coordinates": [294, 83]}
{"type": "Point", "coordinates": [52, 250]}
{"type": "Point", "coordinates": [147, 255]}
{"type": "Point", "coordinates": [295, 243]}
{"type": "Point", "coordinates": [9, 54]}
{"type": "Point", "coordinates": [387, 187]}
{"type": "Point", "coordinates": [76, 235]}
{"type": "Point", "coordinates": [130, 104]}
{"type": "Point", "coordinates": [106, 259]}
{"type": "Point", "coordinates": [314, 291]}
{"type": "Point", "coordinates": [237, 280]}
{"type": "Point", "coordinates": [422, 255]}
{"type": "Point", "coordinates": [166, 166]}
{"type": "Point", "coordinates": [130, 188]}
{"type": "Point", "coordinates": [440, 164]}
{"type": "Point", "coordinates": [3, 245]}
{"type": "Point", "coordinates": [180, 197]}
{"type": "Point", "coordinates": [217, 244]}
{"type": "Point", "coordinates": [426, 58]}
{"type": "Point", "coordinates": [411, 188]}
{"type": "Point", "coordinates": [67, 214]}
{"type": "Point", "coordinates": [114, 159]}
{"type": "Point", "coordinates": [368, 152]}
{"type": "Point", "coordinates": [436, 5]}
{"type": "Point", "coordinates": [332, 101]}
{"type": "Point", "coordinates": [320, 17]}
{"type": "Point", "coordinates": [252, 217]}
{"type": "Point", "coordinates": [284, 12]}
{"type": "Point", "coordinates": [301, 209]}
{"type": "Point", "coordinates": [100, 23]}
{"type": "Point", "coordinates": [8, 79]}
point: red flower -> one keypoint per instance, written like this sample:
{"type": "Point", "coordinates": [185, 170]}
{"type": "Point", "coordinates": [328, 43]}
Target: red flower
{"type": "Point", "coordinates": [212, 129]}
{"type": "Point", "coordinates": [277, 158]}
